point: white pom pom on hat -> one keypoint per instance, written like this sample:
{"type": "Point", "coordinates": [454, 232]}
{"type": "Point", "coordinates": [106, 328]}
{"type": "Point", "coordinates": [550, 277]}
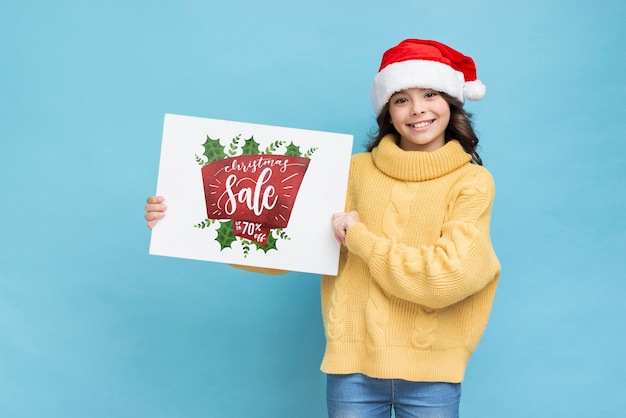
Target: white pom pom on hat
{"type": "Point", "coordinates": [425, 64]}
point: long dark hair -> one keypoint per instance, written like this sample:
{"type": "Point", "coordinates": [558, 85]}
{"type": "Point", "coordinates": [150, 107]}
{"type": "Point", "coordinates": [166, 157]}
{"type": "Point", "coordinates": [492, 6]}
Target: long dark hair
{"type": "Point", "coordinates": [459, 128]}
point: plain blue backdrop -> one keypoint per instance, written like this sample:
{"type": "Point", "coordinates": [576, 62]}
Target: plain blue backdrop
{"type": "Point", "coordinates": [93, 326]}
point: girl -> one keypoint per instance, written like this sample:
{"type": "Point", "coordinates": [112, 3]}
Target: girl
{"type": "Point", "coordinates": [417, 272]}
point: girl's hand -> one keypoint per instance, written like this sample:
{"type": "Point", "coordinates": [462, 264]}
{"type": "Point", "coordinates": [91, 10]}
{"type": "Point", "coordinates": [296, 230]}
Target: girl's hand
{"type": "Point", "coordinates": [342, 222]}
{"type": "Point", "coordinates": [155, 210]}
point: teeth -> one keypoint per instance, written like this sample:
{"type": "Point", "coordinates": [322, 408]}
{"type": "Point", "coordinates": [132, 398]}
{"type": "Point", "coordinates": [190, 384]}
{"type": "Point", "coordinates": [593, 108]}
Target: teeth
{"type": "Point", "coordinates": [421, 124]}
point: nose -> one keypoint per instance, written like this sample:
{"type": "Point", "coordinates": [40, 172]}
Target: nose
{"type": "Point", "coordinates": [417, 107]}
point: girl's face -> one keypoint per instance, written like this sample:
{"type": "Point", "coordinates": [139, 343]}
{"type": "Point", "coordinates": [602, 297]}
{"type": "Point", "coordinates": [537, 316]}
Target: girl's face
{"type": "Point", "coordinates": [421, 117]}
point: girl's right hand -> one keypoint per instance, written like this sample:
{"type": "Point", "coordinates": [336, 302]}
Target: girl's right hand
{"type": "Point", "coordinates": [155, 210]}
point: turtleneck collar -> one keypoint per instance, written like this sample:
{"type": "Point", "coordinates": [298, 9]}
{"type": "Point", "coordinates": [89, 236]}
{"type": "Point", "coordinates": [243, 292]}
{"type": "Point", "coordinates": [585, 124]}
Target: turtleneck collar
{"type": "Point", "coordinates": [417, 165]}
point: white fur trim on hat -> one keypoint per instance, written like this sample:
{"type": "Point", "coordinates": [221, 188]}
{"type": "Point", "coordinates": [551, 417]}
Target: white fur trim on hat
{"type": "Point", "coordinates": [415, 73]}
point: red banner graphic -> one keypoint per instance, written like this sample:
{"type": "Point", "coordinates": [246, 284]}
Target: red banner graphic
{"type": "Point", "coordinates": [256, 192]}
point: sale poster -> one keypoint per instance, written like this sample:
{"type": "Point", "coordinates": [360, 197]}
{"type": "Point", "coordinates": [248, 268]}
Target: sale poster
{"type": "Point", "coordinates": [251, 194]}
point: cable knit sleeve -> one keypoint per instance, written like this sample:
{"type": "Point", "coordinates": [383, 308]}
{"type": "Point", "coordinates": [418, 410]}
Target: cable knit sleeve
{"type": "Point", "coordinates": [458, 264]}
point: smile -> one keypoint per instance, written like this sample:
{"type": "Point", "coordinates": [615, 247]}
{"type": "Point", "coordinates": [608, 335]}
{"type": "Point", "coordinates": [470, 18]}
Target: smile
{"type": "Point", "coordinates": [422, 124]}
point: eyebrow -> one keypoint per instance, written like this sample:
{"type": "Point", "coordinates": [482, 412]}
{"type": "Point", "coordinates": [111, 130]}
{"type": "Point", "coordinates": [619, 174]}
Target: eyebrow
{"type": "Point", "coordinates": [405, 91]}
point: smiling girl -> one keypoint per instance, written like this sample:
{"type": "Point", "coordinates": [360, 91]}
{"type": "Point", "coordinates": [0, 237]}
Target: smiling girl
{"type": "Point", "coordinates": [417, 272]}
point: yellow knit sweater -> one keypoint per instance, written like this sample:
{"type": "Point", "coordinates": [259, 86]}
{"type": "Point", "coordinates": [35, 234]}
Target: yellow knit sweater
{"type": "Point", "coordinates": [417, 279]}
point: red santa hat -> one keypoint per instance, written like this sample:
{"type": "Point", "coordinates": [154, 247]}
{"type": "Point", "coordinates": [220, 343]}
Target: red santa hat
{"type": "Point", "coordinates": [425, 64]}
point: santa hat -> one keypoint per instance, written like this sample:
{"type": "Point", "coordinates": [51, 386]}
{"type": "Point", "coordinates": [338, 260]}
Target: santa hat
{"type": "Point", "coordinates": [425, 64]}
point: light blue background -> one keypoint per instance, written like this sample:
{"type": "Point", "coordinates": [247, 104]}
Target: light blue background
{"type": "Point", "coordinates": [92, 326]}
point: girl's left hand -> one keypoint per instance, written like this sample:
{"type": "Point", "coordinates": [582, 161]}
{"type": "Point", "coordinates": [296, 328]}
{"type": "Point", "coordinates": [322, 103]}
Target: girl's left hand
{"type": "Point", "coordinates": [342, 222]}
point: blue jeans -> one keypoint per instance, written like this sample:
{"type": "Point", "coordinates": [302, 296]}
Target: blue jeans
{"type": "Point", "coordinates": [360, 396]}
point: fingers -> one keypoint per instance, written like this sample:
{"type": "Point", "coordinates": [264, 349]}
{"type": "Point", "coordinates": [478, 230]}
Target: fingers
{"type": "Point", "coordinates": [342, 222]}
{"type": "Point", "coordinates": [152, 218]}
{"type": "Point", "coordinates": [155, 207]}
{"type": "Point", "coordinates": [151, 224]}
{"type": "Point", "coordinates": [340, 227]}
{"type": "Point", "coordinates": [340, 237]}
{"type": "Point", "coordinates": [155, 210]}
{"type": "Point", "coordinates": [155, 199]}
{"type": "Point", "coordinates": [154, 215]}
{"type": "Point", "coordinates": [155, 204]}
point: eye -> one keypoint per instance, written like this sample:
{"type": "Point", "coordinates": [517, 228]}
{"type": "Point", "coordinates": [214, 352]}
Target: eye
{"type": "Point", "coordinates": [399, 100]}
{"type": "Point", "coordinates": [431, 94]}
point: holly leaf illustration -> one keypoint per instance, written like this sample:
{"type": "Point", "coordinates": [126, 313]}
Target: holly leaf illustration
{"type": "Point", "coordinates": [250, 147]}
{"type": "Point", "coordinates": [213, 150]}
{"type": "Point", "coordinates": [269, 245]}
{"type": "Point", "coordinates": [225, 234]}
{"type": "Point", "coordinates": [293, 150]}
